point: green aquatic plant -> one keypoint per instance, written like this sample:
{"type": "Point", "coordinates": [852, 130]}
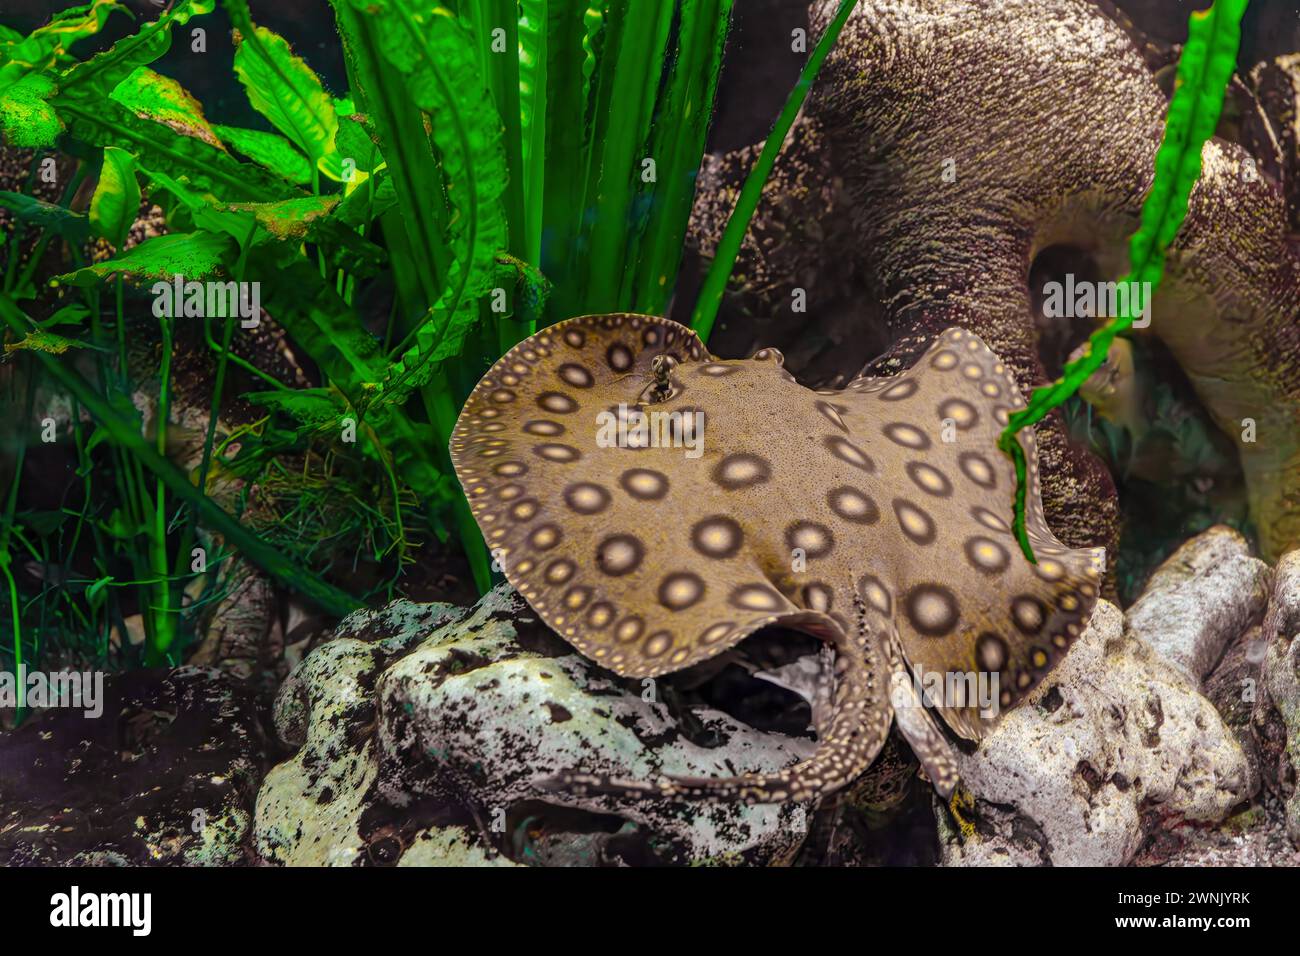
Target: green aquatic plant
{"type": "Point", "coordinates": [1204, 70]}
{"type": "Point", "coordinates": [494, 166]}
{"type": "Point", "coordinates": [724, 260]}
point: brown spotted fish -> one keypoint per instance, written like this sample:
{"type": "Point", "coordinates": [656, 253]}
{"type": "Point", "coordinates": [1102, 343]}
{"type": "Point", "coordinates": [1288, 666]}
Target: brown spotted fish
{"type": "Point", "coordinates": [874, 517]}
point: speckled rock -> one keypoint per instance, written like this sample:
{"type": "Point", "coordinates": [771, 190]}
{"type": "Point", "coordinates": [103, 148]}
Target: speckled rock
{"type": "Point", "coordinates": [165, 776]}
{"type": "Point", "coordinates": [1115, 743]}
{"type": "Point", "coordinates": [1282, 682]}
{"type": "Point", "coordinates": [1234, 688]}
{"type": "Point", "coordinates": [1275, 714]}
{"type": "Point", "coordinates": [1255, 836]}
{"type": "Point", "coordinates": [423, 729]}
{"type": "Point", "coordinates": [1200, 600]}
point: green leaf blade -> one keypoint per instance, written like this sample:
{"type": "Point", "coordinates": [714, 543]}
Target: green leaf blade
{"type": "Point", "coordinates": [116, 201]}
{"type": "Point", "coordinates": [284, 89]}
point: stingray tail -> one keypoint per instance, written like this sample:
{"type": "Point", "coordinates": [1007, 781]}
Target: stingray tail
{"type": "Point", "coordinates": [852, 737]}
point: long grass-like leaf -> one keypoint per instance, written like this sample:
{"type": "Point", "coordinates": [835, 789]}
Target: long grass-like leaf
{"type": "Point", "coordinates": [677, 143]}
{"type": "Point", "coordinates": [127, 436]}
{"type": "Point", "coordinates": [619, 178]}
{"type": "Point", "coordinates": [572, 29]}
{"type": "Point", "coordinates": [532, 121]}
{"type": "Point", "coordinates": [724, 259]}
{"type": "Point", "coordinates": [415, 229]}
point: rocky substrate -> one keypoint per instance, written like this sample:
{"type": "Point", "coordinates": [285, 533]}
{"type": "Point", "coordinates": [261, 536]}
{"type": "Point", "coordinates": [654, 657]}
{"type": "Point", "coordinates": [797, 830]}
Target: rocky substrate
{"type": "Point", "coordinates": [424, 730]}
{"type": "Point", "coordinates": [421, 734]}
{"type": "Point", "coordinates": [167, 774]}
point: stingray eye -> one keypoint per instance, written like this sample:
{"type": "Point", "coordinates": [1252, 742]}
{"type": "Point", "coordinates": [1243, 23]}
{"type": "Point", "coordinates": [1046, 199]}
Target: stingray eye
{"type": "Point", "coordinates": [662, 387]}
{"type": "Point", "coordinates": [662, 365]}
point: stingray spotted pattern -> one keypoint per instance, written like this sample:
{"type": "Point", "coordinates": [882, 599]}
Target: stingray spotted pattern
{"type": "Point", "coordinates": [873, 517]}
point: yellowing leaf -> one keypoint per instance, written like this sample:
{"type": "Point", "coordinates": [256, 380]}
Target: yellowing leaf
{"type": "Point", "coordinates": [43, 342]}
{"type": "Point", "coordinates": [193, 255]}
{"type": "Point", "coordinates": [152, 96]}
{"type": "Point", "coordinates": [26, 120]}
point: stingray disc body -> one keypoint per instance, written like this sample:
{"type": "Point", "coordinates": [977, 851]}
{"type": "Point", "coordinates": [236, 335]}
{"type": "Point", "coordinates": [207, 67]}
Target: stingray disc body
{"type": "Point", "coordinates": [792, 507]}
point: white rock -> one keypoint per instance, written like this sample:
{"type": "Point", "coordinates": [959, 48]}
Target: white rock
{"type": "Point", "coordinates": [1114, 737]}
{"type": "Point", "coordinates": [1201, 599]}
{"type": "Point", "coordinates": [1282, 679]}
{"type": "Point", "coordinates": [449, 707]}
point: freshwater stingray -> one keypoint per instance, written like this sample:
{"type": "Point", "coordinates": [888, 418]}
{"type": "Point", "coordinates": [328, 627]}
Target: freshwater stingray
{"type": "Point", "coordinates": [873, 517]}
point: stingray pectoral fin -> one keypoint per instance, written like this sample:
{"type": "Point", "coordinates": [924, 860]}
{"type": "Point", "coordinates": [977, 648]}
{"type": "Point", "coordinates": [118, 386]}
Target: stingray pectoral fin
{"type": "Point", "coordinates": [923, 734]}
{"type": "Point", "coordinates": [853, 735]}
{"type": "Point", "coordinates": [971, 609]}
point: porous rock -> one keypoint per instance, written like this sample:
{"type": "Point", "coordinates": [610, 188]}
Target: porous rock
{"type": "Point", "coordinates": [1204, 597]}
{"type": "Point", "coordinates": [1277, 712]}
{"type": "Point", "coordinates": [424, 732]}
{"type": "Point", "coordinates": [1114, 743]}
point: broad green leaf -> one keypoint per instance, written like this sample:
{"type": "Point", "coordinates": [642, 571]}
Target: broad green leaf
{"type": "Point", "coordinates": [358, 154]}
{"type": "Point", "coordinates": [196, 209]}
{"type": "Point", "coordinates": [157, 147]}
{"type": "Point", "coordinates": [160, 98]}
{"type": "Point", "coordinates": [97, 77]}
{"type": "Point", "coordinates": [269, 150]}
{"type": "Point", "coordinates": [311, 406]}
{"type": "Point", "coordinates": [49, 45]}
{"type": "Point", "coordinates": [363, 206]}
{"type": "Point", "coordinates": [283, 88]}
{"type": "Point", "coordinates": [194, 255]}
{"type": "Point", "coordinates": [26, 118]}
{"type": "Point", "coordinates": [295, 221]}
{"type": "Point", "coordinates": [72, 314]}
{"type": "Point", "coordinates": [116, 202]}
{"type": "Point", "coordinates": [72, 226]}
